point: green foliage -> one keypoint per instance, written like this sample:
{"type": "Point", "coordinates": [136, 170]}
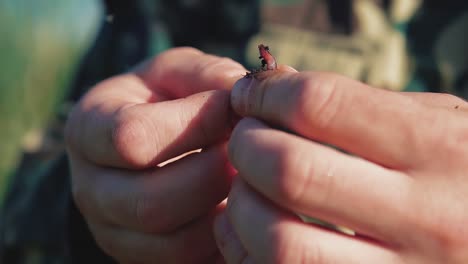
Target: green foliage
{"type": "Point", "coordinates": [41, 43]}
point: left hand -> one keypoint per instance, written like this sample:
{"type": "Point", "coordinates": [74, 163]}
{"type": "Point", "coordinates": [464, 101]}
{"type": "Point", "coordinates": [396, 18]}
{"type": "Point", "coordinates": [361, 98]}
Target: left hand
{"type": "Point", "coordinates": [403, 187]}
{"type": "Point", "coordinates": [125, 128]}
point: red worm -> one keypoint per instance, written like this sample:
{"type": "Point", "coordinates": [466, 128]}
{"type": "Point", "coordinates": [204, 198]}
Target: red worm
{"type": "Point", "coordinates": [268, 62]}
{"type": "Point", "coordinates": [267, 59]}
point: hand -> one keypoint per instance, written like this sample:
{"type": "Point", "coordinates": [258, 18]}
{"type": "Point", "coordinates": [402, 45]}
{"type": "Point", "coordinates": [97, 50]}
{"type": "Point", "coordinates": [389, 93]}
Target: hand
{"type": "Point", "coordinates": [124, 127]}
{"type": "Point", "coordinates": [403, 187]}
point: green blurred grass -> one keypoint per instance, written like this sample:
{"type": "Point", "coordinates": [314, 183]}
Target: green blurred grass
{"type": "Point", "coordinates": [40, 46]}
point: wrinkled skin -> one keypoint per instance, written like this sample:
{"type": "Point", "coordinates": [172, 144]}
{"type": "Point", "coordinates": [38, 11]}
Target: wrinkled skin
{"type": "Point", "coordinates": [401, 183]}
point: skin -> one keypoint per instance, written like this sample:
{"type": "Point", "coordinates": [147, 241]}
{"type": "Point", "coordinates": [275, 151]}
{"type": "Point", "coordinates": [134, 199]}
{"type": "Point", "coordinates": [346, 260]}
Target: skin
{"type": "Point", "coordinates": [401, 184]}
{"type": "Point", "coordinates": [124, 127]}
{"type": "Point", "coordinates": [402, 187]}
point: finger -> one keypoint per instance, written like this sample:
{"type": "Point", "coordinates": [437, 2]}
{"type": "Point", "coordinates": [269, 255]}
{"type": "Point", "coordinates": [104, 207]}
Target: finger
{"type": "Point", "coordinates": [375, 124]}
{"type": "Point", "coordinates": [111, 123]}
{"type": "Point", "coordinates": [272, 235]}
{"type": "Point", "coordinates": [315, 180]}
{"type": "Point", "coordinates": [158, 200]}
{"type": "Point", "coordinates": [438, 100]}
{"type": "Point", "coordinates": [193, 243]}
{"type": "Point", "coordinates": [185, 71]}
{"type": "Point", "coordinates": [173, 74]}
{"type": "Point", "coordinates": [143, 135]}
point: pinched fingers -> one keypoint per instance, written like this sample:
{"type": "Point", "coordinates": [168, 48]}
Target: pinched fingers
{"type": "Point", "coordinates": [315, 180]}
{"type": "Point", "coordinates": [127, 125]}
{"type": "Point", "coordinates": [180, 72]}
{"type": "Point", "coordinates": [143, 135]}
{"type": "Point", "coordinates": [164, 108]}
{"type": "Point", "coordinates": [375, 124]}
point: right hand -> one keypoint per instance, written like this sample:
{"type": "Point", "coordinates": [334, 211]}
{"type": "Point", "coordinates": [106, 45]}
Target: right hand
{"type": "Point", "coordinates": [124, 127]}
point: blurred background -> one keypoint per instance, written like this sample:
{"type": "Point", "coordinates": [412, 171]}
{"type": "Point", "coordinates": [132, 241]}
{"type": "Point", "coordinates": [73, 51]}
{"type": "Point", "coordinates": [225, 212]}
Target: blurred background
{"type": "Point", "coordinates": [52, 52]}
{"type": "Point", "coordinates": [41, 44]}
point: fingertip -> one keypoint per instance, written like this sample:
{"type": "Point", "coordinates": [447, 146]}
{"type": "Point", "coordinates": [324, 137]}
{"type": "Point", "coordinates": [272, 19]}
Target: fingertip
{"type": "Point", "coordinates": [238, 138]}
{"type": "Point", "coordinates": [250, 95]}
{"type": "Point", "coordinates": [180, 72]}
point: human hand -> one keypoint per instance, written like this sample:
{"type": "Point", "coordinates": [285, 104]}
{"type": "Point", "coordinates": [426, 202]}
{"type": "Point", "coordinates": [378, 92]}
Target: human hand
{"type": "Point", "coordinates": [405, 193]}
{"type": "Point", "coordinates": [127, 125]}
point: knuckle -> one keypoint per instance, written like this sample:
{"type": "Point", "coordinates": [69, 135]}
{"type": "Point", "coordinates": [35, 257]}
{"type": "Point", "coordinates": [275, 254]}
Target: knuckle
{"type": "Point", "coordinates": [130, 138]}
{"type": "Point", "coordinates": [318, 100]}
{"type": "Point", "coordinates": [451, 238]}
{"type": "Point", "coordinates": [452, 145]}
{"type": "Point", "coordinates": [458, 138]}
{"type": "Point", "coordinates": [290, 181]}
{"type": "Point", "coordinates": [298, 177]}
{"type": "Point", "coordinates": [445, 231]}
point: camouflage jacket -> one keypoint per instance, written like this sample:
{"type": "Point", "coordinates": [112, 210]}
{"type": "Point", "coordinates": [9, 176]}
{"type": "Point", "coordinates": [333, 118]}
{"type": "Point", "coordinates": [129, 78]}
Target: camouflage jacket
{"type": "Point", "coordinates": [393, 44]}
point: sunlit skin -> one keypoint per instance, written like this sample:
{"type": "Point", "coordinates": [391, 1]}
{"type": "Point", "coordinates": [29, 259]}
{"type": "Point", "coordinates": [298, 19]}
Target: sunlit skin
{"type": "Point", "coordinates": [401, 183]}
{"type": "Point", "coordinates": [137, 211]}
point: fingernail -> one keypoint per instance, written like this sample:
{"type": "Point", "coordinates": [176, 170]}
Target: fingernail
{"type": "Point", "coordinates": [239, 95]}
